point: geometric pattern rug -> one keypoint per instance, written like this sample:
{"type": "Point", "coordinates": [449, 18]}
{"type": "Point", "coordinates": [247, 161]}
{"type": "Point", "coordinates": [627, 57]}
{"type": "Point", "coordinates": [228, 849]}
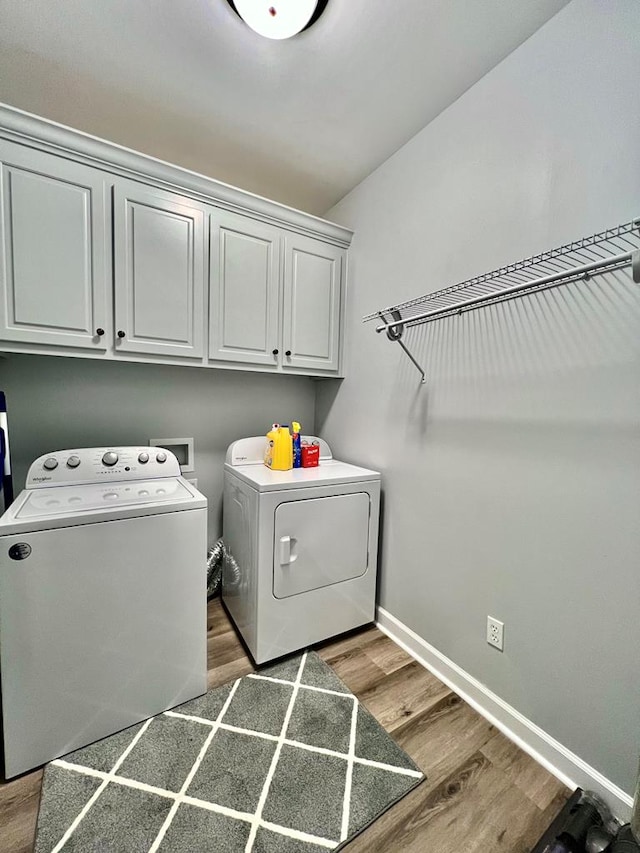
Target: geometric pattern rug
{"type": "Point", "coordinates": [285, 760]}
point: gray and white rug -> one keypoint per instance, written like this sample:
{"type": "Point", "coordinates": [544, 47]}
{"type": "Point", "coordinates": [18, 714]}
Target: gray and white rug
{"type": "Point", "coordinates": [281, 761]}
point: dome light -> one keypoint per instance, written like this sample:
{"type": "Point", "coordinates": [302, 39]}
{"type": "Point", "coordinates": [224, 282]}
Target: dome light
{"type": "Point", "coordinates": [278, 19]}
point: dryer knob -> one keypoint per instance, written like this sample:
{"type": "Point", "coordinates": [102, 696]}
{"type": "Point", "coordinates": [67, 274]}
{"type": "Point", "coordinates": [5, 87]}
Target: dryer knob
{"type": "Point", "coordinates": [110, 458]}
{"type": "Point", "coordinates": [51, 463]}
{"type": "Point", "coordinates": [143, 458]}
{"type": "Point", "coordinates": [73, 461]}
{"type": "Point", "coordinates": [161, 457]}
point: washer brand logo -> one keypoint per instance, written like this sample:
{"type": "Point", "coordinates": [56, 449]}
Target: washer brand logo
{"type": "Point", "coordinates": [41, 479]}
{"type": "Point", "coordinates": [20, 551]}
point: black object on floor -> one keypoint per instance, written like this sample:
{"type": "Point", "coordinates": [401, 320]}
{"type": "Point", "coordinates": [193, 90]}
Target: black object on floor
{"type": "Point", "coordinates": [586, 825]}
{"type": "Point", "coordinates": [281, 761]}
{"type": "Point", "coordinates": [599, 840]}
{"type": "Point", "coordinates": [550, 836]}
{"type": "Point", "coordinates": [579, 821]}
{"type": "Point", "coordinates": [625, 842]}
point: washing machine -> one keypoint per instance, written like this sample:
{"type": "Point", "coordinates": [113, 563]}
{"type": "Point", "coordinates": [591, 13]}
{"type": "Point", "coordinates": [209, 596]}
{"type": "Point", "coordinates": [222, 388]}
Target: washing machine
{"type": "Point", "coordinates": [102, 599]}
{"type": "Point", "coordinates": [300, 549]}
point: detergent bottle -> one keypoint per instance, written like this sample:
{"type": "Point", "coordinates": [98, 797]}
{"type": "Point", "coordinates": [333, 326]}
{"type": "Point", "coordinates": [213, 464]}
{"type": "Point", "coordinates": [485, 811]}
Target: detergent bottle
{"type": "Point", "coordinates": [297, 450]}
{"type": "Point", "coordinates": [272, 436]}
{"type": "Point", "coordinates": [279, 454]}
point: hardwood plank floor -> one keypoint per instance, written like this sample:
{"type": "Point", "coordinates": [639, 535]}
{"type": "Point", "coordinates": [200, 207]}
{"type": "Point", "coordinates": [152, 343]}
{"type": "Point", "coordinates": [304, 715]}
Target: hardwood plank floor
{"type": "Point", "coordinates": [482, 792]}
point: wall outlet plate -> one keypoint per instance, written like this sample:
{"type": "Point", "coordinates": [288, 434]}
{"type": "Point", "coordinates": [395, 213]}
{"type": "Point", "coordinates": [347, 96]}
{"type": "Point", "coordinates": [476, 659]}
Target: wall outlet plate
{"type": "Point", "coordinates": [495, 633]}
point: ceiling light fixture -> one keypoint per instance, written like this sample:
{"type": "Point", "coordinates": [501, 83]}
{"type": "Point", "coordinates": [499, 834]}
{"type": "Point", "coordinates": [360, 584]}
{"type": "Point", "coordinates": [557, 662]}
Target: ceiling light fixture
{"type": "Point", "coordinates": [278, 19]}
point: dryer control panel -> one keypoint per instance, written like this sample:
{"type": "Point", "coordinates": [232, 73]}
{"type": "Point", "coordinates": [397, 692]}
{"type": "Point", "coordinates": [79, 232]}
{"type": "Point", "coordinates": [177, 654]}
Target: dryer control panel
{"type": "Point", "coordinates": [100, 465]}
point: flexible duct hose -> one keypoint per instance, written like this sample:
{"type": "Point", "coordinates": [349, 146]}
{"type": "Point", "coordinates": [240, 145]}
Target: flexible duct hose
{"type": "Point", "coordinates": [215, 557]}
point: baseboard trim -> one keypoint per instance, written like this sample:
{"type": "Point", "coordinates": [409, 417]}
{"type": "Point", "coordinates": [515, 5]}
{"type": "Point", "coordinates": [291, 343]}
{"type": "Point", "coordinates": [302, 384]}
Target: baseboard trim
{"type": "Point", "coordinates": [568, 767]}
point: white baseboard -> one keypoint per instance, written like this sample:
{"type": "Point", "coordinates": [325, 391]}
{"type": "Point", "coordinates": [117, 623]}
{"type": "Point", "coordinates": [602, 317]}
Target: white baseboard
{"type": "Point", "coordinates": [564, 764]}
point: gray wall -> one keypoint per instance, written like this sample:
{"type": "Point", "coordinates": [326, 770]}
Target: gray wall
{"type": "Point", "coordinates": [511, 478]}
{"type": "Point", "coordinates": [57, 403]}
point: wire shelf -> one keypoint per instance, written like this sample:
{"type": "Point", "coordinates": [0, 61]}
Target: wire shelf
{"type": "Point", "coordinates": [615, 248]}
{"type": "Point", "coordinates": [603, 252]}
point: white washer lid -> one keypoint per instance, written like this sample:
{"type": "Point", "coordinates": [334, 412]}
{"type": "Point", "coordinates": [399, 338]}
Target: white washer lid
{"type": "Point", "coordinates": [66, 506]}
{"type": "Point", "coordinates": [72, 499]}
{"type": "Point", "coordinates": [328, 473]}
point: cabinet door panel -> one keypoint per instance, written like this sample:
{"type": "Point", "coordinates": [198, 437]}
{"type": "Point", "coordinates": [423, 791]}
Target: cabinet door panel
{"type": "Point", "coordinates": [159, 272]}
{"type": "Point", "coordinates": [245, 266]}
{"type": "Point", "coordinates": [53, 250]}
{"type": "Point", "coordinates": [312, 303]}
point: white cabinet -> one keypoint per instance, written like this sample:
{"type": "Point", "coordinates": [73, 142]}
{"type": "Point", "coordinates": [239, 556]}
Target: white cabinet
{"type": "Point", "coordinates": [284, 314]}
{"type": "Point", "coordinates": [106, 253]}
{"type": "Point", "coordinates": [312, 294]}
{"type": "Point", "coordinates": [159, 269]}
{"type": "Point", "coordinates": [245, 287]}
{"type": "Point", "coordinates": [53, 250]}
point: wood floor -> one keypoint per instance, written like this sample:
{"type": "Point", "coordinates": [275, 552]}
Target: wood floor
{"type": "Point", "coordinates": [482, 793]}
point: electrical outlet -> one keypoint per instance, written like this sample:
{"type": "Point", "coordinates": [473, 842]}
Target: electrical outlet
{"type": "Point", "coordinates": [495, 633]}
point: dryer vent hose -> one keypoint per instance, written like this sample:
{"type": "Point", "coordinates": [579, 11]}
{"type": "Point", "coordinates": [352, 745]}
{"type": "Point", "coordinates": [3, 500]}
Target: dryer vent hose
{"type": "Point", "coordinates": [215, 557]}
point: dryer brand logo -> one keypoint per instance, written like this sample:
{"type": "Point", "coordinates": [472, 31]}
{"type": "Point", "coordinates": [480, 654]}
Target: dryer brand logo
{"type": "Point", "coordinates": [42, 479]}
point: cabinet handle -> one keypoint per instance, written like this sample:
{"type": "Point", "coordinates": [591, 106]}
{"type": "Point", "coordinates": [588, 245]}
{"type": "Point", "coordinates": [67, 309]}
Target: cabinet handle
{"type": "Point", "coordinates": [276, 351]}
{"type": "Point", "coordinates": [121, 334]}
{"type": "Point", "coordinates": [99, 332]}
{"type": "Point", "coordinates": [288, 353]}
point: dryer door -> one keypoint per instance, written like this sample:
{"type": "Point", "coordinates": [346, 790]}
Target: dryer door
{"type": "Point", "coordinates": [320, 541]}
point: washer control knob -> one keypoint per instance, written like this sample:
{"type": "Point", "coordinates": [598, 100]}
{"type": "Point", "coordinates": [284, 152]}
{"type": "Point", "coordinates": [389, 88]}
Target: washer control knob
{"type": "Point", "coordinates": [51, 463]}
{"type": "Point", "coordinates": [110, 458]}
{"type": "Point", "coordinates": [73, 461]}
{"type": "Point", "coordinates": [161, 457]}
{"type": "Point", "coordinates": [143, 458]}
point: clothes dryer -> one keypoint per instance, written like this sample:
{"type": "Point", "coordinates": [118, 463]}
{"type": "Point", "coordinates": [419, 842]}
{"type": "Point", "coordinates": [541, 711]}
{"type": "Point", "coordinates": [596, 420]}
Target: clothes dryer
{"type": "Point", "coordinates": [300, 549]}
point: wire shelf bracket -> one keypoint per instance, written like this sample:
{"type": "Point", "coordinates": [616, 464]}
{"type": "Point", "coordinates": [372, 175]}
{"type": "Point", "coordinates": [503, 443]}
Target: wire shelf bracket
{"type": "Point", "coordinates": [394, 333]}
{"type": "Point", "coordinates": [606, 251]}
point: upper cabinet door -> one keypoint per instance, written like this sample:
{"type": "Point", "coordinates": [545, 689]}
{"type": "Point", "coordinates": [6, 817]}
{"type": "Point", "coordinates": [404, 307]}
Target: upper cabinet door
{"type": "Point", "coordinates": [54, 232]}
{"type": "Point", "coordinates": [245, 284]}
{"type": "Point", "coordinates": [312, 303]}
{"type": "Point", "coordinates": [159, 267]}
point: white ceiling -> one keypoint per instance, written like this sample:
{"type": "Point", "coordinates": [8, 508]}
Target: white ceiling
{"type": "Point", "coordinates": [302, 121]}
